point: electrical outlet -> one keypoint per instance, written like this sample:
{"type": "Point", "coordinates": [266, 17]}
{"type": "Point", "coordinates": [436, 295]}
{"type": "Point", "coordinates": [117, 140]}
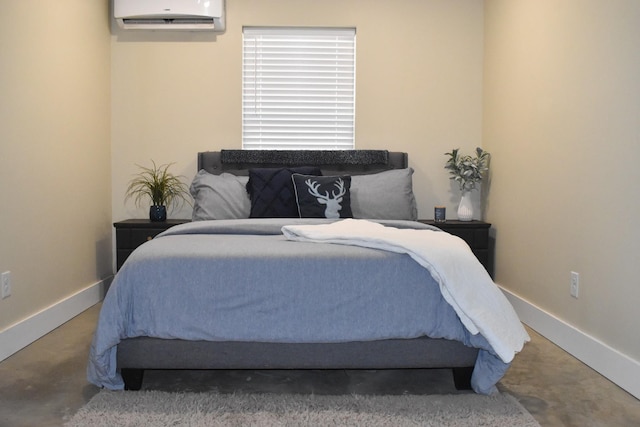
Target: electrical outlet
{"type": "Point", "coordinates": [5, 284]}
{"type": "Point", "coordinates": [575, 284]}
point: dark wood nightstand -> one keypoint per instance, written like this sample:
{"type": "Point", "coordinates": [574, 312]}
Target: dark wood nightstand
{"type": "Point", "coordinates": [475, 233]}
{"type": "Point", "coordinates": [131, 233]}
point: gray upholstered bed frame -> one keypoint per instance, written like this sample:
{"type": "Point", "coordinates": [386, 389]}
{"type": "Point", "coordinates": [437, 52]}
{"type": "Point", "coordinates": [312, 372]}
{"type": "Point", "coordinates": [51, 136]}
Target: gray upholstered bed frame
{"type": "Point", "coordinates": [134, 355]}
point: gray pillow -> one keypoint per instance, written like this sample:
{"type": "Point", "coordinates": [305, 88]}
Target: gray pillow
{"type": "Point", "coordinates": [384, 195]}
{"type": "Point", "coordinates": [219, 196]}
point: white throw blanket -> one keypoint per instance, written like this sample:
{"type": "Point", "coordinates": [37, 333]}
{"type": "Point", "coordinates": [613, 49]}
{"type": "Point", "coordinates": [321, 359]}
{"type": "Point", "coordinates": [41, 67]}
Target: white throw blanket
{"type": "Point", "coordinates": [464, 282]}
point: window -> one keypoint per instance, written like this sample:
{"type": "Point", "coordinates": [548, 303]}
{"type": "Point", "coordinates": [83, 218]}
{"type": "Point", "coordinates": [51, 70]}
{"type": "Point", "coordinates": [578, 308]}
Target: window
{"type": "Point", "coordinates": [298, 88]}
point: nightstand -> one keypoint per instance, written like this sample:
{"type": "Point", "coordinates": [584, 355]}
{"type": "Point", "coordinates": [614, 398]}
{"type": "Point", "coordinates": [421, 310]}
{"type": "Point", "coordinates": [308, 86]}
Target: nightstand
{"type": "Point", "coordinates": [475, 233]}
{"type": "Point", "coordinates": [131, 233]}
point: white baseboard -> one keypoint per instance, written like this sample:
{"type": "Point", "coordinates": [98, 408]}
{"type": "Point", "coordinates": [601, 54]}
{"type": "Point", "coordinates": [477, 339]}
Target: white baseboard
{"type": "Point", "coordinates": [23, 333]}
{"type": "Point", "coordinates": [614, 365]}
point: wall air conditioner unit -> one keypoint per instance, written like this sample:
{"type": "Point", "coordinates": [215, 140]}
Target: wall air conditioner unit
{"type": "Point", "coordinates": [183, 15]}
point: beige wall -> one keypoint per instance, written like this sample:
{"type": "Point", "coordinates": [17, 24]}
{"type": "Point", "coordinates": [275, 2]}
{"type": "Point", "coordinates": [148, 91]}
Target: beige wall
{"type": "Point", "coordinates": [562, 120]}
{"type": "Point", "coordinates": [419, 87]}
{"type": "Point", "coordinates": [55, 206]}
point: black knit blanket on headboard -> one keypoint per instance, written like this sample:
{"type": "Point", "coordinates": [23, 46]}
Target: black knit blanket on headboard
{"type": "Point", "coordinates": [306, 157]}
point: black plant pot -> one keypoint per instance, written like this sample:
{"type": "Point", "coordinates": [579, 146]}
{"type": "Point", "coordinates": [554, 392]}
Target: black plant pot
{"type": "Point", "coordinates": [158, 213]}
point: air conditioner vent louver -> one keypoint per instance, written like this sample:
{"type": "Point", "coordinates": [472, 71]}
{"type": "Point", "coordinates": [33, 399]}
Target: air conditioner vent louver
{"type": "Point", "coordinates": [168, 21]}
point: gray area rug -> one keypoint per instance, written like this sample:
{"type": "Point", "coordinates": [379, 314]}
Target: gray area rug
{"type": "Point", "coordinates": [155, 408]}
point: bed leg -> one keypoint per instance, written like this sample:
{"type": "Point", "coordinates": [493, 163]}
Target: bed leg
{"type": "Point", "coordinates": [462, 377]}
{"type": "Point", "coordinates": [132, 378]}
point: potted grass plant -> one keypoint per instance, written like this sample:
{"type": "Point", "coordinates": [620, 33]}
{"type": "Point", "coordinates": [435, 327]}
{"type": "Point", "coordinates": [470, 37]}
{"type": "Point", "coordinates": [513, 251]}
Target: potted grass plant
{"type": "Point", "coordinates": [160, 186]}
{"type": "Point", "coordinates": [467, 171]}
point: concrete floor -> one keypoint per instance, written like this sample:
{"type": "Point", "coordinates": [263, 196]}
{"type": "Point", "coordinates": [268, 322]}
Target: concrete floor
{"type": "Point", "coordinates": [44, 384]}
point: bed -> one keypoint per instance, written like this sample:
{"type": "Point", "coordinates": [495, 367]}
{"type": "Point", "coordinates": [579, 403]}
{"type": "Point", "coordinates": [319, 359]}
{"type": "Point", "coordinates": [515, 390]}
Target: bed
{"type": "Point", "coordinates": [230, 291]}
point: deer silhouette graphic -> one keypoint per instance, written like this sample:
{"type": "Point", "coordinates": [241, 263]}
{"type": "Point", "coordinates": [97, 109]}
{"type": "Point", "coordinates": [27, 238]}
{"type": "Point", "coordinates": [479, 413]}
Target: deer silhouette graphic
{"type": "Point", "coordinates": [333, 201]}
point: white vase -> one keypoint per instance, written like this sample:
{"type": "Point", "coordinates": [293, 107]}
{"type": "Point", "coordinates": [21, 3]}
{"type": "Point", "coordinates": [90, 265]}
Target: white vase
{"type": "Point", "coordinates": [465, 208]}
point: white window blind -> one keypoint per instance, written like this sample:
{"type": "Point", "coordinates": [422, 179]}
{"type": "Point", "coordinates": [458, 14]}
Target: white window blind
{"type": "Point", "coordinates": [298, 88]}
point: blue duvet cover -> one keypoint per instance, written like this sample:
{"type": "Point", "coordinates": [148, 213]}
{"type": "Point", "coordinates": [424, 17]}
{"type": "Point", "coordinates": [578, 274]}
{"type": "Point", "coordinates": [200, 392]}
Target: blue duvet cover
{"type": "Point", "coordinates": [241, 280]}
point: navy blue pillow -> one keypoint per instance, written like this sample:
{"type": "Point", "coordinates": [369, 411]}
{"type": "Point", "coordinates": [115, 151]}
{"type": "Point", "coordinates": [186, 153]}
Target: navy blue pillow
{"type": "Point", "coordinates": [271, 191]}
{"type": "Point", "coordinates": [323, 196]}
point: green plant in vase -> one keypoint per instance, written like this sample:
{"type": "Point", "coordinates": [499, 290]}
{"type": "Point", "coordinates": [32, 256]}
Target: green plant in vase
{"type": "Point", "coordinates": [161, 187]}
{"type": "Point", "coordinates": [467, 171]}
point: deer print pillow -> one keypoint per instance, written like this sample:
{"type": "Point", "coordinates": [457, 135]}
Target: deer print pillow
{"type": "Point", "coordinates": [323, 196]}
